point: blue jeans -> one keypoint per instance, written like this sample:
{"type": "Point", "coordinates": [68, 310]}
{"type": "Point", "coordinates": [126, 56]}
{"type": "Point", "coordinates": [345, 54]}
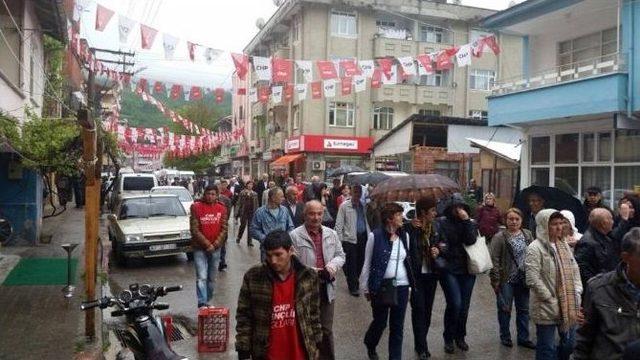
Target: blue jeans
{"type": "Point", "coordinates": [421, 306]}
{"type": "Point", "coordinates": [546, 348]}
{"type": "Point", "coordinates": [395, 315]}
{"type": "Point", "coordinates": [457, 290]}
{"type": "Point", "coordinates": [223, 254]}
{"type": "Point", "coordinates": [508, 295]}
{"type": "Point", "coordinates": [206, 267]}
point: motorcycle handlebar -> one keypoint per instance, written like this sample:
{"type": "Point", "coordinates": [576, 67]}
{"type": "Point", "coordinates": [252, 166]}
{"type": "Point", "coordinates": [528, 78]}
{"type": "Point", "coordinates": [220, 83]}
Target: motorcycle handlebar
{"type": "Point", "coordinates": [161, 306]}
{"type": "Point", "coordinates": [95, 303]}
{"type": "Point", "coordinates": [168, 289]}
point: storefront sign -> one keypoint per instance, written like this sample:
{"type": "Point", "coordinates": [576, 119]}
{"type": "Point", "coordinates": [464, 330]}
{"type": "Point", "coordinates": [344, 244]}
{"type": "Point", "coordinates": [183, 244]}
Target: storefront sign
{"type": "Point", "coordinates": [342, 144]}
{"type": "Point", "coordinates": [292, 144]}
{"type": "Point", "coordinates": [266, 155]}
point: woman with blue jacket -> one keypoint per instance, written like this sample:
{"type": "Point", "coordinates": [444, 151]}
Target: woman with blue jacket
{"type": "Point", "coordinates": [387, 261]}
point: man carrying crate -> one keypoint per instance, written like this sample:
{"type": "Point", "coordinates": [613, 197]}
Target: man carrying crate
{"type": "Point", "coordinates": [278, 314]}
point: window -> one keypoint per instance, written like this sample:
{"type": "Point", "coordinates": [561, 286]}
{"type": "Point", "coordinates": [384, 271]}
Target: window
{"type": "Point", "coordinates": [430, 135]}
{"type": "Point", "coordinates": [482, 79]}
{"type": "Point", "coordinates": [540, 176]}
{"type": "Point", "coordinates": [343, 24]}
{"type": "Point", "coordinates": [478, 34]}
{"type": "Point", "coordinates": [601, 45]}
{"type": "Point", "coordinates": [241, 112]}
{"type": "Point", "coordinates": [567, 149]}
{"type": "Point", "coordinates": [9, 65]}
{"type": "Point", "coordinates": [385, 23]}
{"type": "Point", "coordinates": [383, 118]}
{"type": "Point", "coordinates": [439, 78]}
{"type": "Point", "coordinates": [540, 150]}
{"type": "Point", "coordinates": [567, 179]}
{"type": "Point", "coordinates": [627, 149]}
{"type": "Point", "coordinates": [450, 169]}
{"type": "Point", "coordinates": [296, 118]}
{"type": "Point", "coordinates": [479, 114]}
{"type": "Point", "coordinates": [434, 34]}
{"type": "Point", "coordinates": [341, 114]}
{"type": "Point", "coordinates": [429, 112]}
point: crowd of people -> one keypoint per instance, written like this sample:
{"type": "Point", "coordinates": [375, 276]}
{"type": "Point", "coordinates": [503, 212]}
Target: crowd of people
{"type": "Point", "coordinates": [580, 291]}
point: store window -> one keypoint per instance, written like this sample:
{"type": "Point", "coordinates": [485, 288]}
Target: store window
{"type": "Point", "coordinates": [566, 179]}
{"type": "Point", "coordinates": [627, 146]}
{"type": "Point", "coordinates": [341, 114]}
{"type": "Point", "coordinates": [540, 150]}
{"type": "Point", "coordinates": [383, 118]}
{"type": "Point", "coordinates": [481, 79]}
{"type": "Point", "coordinates": [343, 24]}
{"type": "Point", "coordinates": [599, 176]}
{"type": "Point", "coordinates": [567, 149]}
{"type": "Point", "coordinates": [450, 169]}
{"type": "Point", "coordinates": [604, 146]}
{"type": "Point", "coordinates": [627, 179]}
{"type": "Point", "coordinates": [540, 176]}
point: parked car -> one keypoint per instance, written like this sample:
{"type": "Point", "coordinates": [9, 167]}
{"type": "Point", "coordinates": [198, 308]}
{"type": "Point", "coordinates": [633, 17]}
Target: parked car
{"type": "Point", "coordinates": [152, 225]}
{"type": "Point", "coordinates": [183, 195]}
{"type": "Point", "coordinates": [131, 184]}
{"type": "Point", "coordinates": [408, 210]}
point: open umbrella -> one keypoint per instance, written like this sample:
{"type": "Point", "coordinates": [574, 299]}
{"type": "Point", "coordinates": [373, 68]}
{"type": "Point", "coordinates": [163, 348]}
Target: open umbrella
{"type": "Point", "coordinates": [413, 187]}
{"type": "Point", "coordinates": [553, 199]}
{"type": "Point", "coordinates": [343, 169]}
{"type": "Point", "coordinates": [371, 178]}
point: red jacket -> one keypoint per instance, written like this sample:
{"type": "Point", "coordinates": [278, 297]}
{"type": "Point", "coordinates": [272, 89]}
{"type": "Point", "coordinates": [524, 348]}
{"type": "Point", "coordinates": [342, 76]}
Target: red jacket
{"type": "Point", "coordinates": [488, 219]}
{"type": "Point", "coordinates": [208, 224]}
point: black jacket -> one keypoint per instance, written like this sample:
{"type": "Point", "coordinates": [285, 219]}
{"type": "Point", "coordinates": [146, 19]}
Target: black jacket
{"type": "Point", "coordinates": [416, 248]}
{"type": "Point", "coordinates": [612, 320]}
{"type": "Point", "coordinates": [596, 253]}
{"type": "Point", "coordinates": [298, 218]}
{"type": "Point", "coordinates": [259, 189]}
{"type": "Point", "coordinates": [455, 234]}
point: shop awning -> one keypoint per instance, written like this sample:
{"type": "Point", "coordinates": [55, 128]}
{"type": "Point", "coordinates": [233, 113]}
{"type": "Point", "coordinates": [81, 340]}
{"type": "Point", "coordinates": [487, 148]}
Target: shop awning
{"type": "Point", "coordinates": [285, 160]}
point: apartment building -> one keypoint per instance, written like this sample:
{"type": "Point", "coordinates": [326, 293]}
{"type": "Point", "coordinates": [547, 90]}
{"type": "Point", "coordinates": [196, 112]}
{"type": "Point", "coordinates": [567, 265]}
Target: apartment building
{"type": "Point", "coordinates": [577, 96]}
{"type": "Point", "coordinates": [313, 135]}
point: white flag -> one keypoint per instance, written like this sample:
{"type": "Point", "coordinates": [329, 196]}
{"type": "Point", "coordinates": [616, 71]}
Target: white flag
{"type": "Point", "coordinates": [307, 69]}
{"type": "Point", "coordinates": [276, 94]}
{"type": "Point", "coordinates": [367, 67]}
{"type": "Point", "coordinates": [408, 65]}
{"type": "Point", "coordinates": [125, 28]}
{"type": "Point", "coordinates": [262, 67]}
{"type": "Point", "coordinates": [360, 83]}
{"type": "Point", "coordinates": [329, 87]}
{"type": "Point", "coordinates": [169, 43]}
{"type": "Point", "coordinates": [253, 94]}
{"type": "Point", "coordinates": [393, 78]}
{"type": "Point", "coordinates": [463, 56]}
{"type": "Point", "coordinates": [80, 7]}
{"type": "Point", "coordinates": [212, 54]}
{"type": "Point", "coordinates": [301, 90]}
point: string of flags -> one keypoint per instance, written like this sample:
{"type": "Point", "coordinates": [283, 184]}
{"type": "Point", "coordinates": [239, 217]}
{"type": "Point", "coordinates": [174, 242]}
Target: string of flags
{"type": "Point", "coordinates": [177, 91]}
{"type": "Point", "coordinates": [276, 74]}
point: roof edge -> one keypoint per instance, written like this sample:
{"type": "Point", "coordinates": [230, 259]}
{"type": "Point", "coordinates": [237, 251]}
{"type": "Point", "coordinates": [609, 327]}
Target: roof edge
{"type": "Point", "coordinates": [524, 11]}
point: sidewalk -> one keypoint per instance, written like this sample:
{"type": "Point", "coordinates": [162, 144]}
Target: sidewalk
{"type": "Point", "coordinates": [37, 322]}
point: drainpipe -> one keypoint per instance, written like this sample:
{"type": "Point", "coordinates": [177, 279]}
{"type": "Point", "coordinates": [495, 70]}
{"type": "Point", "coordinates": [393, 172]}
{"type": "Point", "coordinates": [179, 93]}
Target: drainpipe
{"type": "Point", "coordinates": [630, 58]}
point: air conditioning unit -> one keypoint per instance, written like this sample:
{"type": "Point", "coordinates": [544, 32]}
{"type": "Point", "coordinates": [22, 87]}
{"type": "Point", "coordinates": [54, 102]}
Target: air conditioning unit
{"type": "Point", "coordinates": [318, 165]}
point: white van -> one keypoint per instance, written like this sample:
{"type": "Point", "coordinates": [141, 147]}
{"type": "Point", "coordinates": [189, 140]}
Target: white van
{"type": "Point", "coordinates": [131, 184]}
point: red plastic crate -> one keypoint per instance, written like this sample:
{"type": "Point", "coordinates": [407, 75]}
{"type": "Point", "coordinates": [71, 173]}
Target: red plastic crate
{"type": "Point", "coordinates": [213, 329]}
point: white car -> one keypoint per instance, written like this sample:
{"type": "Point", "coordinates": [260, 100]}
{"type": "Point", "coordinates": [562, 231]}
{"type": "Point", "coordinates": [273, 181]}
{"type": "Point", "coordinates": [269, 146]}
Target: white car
{"type": "Point", "coordinates": [131, 184]}
{"type": "Point", "coordinates": [183, 194]}
{"type": "Point", "coordinates": [408, 210]}
{"type": "Point", "coordinates": [145, 226]}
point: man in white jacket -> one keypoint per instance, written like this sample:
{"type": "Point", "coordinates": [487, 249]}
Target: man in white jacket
{"type": "Point", "coordinates": [319, 248]}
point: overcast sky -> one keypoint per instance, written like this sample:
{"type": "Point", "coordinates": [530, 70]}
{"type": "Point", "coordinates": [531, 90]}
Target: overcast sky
{"type": "Point", "coordinates": [228, 27]}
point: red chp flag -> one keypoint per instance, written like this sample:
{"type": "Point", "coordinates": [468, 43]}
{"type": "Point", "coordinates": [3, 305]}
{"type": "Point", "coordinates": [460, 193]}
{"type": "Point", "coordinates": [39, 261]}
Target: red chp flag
{"type": "Point", "coordinates": [263, 94]}
{"type": "Point", "coordinates": [345, 85]}
{"type": "Point", "coordinates": [316, 89]}
{"type": "Point", "coordinates": [103, 15]}
{"type": "Point", "coordinates": [350, 67]}
{"type": "Point", "coordinates": [443, 59]}
{"type": "Point", "coordinates": [386, 66]}
{"type": "Point", "coordinates": [176, 92]}
{"type": "Point", "coordinates": [147, 36]}
{"type": "Point", "coordinates": [492, 43]}
{"type": "Point", "coordinates": [158, 87]}
{"type": "Point", "coordinates": [195, 93]}
{"type": "Point", "coordinates": [426, 62]}
{"type": "Point", "coordinates": [281, 70]}
{"type": "Point", "coordinates": [143, 86]}
{"type": "Point", "coordinates": [327, 70]}
{"type": "Point", "coordinates": [376, 79]}
{"type": "Point", "coordinates": [219, 92]}
{"type": "Point", "coordinates": [288, 92]}
{"type": "Point", "coordinates": [241, 61]}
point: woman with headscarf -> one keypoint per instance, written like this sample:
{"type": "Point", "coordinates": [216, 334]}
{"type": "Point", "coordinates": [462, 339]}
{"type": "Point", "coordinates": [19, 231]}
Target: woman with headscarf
{"type": "Point", "coordinates": [570, 232]}
{"type": "Point", "coordinates": [553, 276]}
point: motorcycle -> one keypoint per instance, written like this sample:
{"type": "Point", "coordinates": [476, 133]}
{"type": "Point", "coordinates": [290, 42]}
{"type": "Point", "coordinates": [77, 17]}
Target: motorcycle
{"type": "Point", "coordinates": [146, 334]}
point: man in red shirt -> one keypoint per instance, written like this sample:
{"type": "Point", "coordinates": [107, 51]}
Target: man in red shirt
{"type": "Point", "coordinates": [208, 223]}
{"type": "Point", "coordinates": [300, 186]}
{"type": "Point", "coordinates": [279, 301]}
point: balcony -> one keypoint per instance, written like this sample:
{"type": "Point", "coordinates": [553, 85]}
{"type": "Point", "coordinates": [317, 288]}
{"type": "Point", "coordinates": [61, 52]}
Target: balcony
{"type": "Point", "coordinates": [395, 93]}
{"type": "Point", "coordinates": [383, 46]}
{"type": "Point", "coordinates": [434, 95]}
{"type": "Point", "coordinates": [594, 86]}
{"type": "Point", "coordinates": [276, 141]}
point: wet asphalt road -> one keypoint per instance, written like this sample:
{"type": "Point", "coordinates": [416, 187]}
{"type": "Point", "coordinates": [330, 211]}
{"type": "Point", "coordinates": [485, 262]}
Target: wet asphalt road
{"type": "Point", "coordinates": [352, 315]}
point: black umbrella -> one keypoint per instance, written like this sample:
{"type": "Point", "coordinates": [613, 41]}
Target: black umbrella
{"type": "Point", "coordinates": [553, 199]}
{"type": "Point", "coordinates": [371, 178]}
{"type": "Point", "coordinates": [343, 169]}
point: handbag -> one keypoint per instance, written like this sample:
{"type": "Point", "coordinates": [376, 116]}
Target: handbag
{"type": "Point", "coordinates": [479, 256]}
{"type": "Point", "coordinates": [388, 294]}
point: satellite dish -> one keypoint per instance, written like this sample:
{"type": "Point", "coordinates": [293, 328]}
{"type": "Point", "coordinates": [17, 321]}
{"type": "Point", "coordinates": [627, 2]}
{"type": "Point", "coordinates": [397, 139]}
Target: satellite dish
{"type": "Point", "coordinates": [260, 23]}
{"type": "Point", "coordinates": [278, 2]}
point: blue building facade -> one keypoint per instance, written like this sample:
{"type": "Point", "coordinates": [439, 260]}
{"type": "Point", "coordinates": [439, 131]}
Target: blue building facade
{"type": "Point", "coordinates": [577, 99]}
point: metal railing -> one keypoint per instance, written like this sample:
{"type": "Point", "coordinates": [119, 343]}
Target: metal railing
{"type": "Point", "coordinates": [601, 65]}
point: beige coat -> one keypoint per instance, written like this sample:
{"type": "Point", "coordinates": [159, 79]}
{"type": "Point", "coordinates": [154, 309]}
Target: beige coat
{"type": "Point", "coordinates": [540, 268]}
{"type": "Point", "coordinates": [347, 222]}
